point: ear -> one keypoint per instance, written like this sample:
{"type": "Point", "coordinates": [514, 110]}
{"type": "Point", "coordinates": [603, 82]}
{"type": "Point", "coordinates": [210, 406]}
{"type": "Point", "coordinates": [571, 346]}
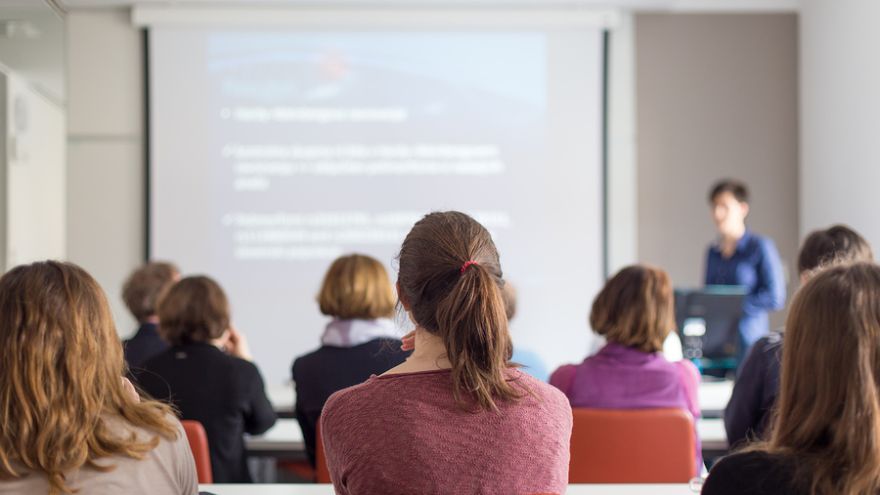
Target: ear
{"type": "Point", "coordinates": [745, 208]}
{"type": "Point", "coordinates": [401, 297]}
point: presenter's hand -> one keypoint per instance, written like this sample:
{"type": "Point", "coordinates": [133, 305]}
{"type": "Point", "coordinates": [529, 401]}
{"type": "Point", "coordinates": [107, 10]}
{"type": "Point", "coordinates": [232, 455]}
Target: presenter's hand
{"type": "Point", "coordinates": [237, 345]}
{"type": "Point", "coordinates": [126, 384]}
{"type": "Point", "coordinates": [408, 341]}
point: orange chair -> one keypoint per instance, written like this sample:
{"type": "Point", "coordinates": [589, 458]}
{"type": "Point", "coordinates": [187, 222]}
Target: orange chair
{"type": "Point", "coordinates": [198, 444]}
{"type": "Point", "coordinates": [322, 473]}
{"type": "Point", "coordinates": [631, 446]}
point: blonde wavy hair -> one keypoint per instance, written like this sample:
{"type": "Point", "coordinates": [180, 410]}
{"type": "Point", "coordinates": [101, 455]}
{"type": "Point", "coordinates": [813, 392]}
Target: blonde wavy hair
{"type": "Point", "coordinates": [61, 369]}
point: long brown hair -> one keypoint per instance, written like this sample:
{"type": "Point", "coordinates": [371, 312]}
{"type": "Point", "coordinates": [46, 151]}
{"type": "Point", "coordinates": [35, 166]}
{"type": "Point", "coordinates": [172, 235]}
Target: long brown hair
{"type": "Point", "coordinates": [461, 302]}
{"type": "Point", "coordinates": [635, 308]}
{"type": "Point", "coordinates": [828, 416]}
{"type": "Point", "coordinates": [61, 369]}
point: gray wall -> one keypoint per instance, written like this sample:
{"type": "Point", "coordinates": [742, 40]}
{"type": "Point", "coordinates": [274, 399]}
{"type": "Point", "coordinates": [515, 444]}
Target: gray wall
{"type": "Point", "coordinates": [717, 97]}
{"type": "Point", "coordinates": [105, 188]}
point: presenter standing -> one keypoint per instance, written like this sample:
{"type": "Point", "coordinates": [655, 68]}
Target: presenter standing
{"type": "Point", "coordinates": [741, 257]}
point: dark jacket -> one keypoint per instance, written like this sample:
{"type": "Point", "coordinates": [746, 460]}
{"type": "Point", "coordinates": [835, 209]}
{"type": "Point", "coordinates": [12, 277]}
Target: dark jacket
{"type": "Point", "coordinates": [222, 392]}
{"type": "Point", "coordinates": [755, 473]}
{"type": "Point", "coordinates": [755, 391]}
{"type": "Point", "coordinates": [321, 373]}
{"type": "Point", "coordinates": [145, 344]}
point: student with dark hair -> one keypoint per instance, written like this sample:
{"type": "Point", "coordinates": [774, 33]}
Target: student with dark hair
{"type": "Point", "coordinates": [360, 340]}
{"type": "Point", "coordinates": [208, 374]}
{"type": "Point", "coordinates": [754, 394]}
{"type": "Point", "coordinates": [741, 257]}
{"type": "Point", "coordinates": [456, 417]}
{"type": "Point", "coordinates": [635, 313]}
{"type": "Point", "coordinates": [824, 438]}
{"type": "Point", "coordinates": [141, 293]}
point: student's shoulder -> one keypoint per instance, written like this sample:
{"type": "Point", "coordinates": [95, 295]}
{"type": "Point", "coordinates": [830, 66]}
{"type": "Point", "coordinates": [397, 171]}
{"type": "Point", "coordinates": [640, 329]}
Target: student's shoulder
{"type": "Point", "coordinates": [351, 398]}
{"type": "Point", "coordinates": [556, 401]}
{"type": "Point", "coordinates": [769, 345]}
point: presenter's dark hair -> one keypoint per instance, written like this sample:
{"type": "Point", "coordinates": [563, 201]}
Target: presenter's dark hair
{"type": "Point", "coordinates": [738, 188]}
{"type": "Point", "coordinates": [461, 303]}
{"type": "Point", "coordinates": [193, 310]}
{"type": "Point", "coordinates": [837, 243]}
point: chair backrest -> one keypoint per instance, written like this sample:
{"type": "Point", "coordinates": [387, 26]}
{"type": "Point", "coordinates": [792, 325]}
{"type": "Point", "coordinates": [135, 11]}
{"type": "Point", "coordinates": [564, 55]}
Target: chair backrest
{"type": "Point", "coordinates": [198, 444]}
{"type": "Point", "coordinates": [322, 473]}
{"type": "Point", "coordinates": [632, 446]}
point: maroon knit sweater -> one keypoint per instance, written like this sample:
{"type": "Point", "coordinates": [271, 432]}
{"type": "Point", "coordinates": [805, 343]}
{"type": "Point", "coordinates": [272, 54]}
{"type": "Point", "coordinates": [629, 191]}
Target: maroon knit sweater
{"type": "Point", "coordinates": [404, 434]}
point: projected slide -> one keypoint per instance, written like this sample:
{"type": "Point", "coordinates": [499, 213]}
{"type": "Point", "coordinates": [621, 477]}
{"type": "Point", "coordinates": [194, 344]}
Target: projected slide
{"type": "Point", "coordinates": [272, 153]}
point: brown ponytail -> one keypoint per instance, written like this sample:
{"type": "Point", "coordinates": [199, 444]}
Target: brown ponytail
{"type": "Point", "coordinates": [460, 302]}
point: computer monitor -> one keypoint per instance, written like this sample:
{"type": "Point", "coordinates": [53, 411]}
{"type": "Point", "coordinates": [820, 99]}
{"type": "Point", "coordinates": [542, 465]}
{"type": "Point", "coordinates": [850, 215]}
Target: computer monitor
{"type": "Point", "coordinates": [708, 324]}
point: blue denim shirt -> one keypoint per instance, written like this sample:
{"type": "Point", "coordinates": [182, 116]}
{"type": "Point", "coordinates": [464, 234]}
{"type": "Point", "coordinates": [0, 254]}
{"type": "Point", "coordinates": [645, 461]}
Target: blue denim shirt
{"type": "Point", "coordinates": [754, 265]}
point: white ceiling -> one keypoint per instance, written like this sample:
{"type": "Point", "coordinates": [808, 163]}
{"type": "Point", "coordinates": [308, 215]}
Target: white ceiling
{"type": "Point", "coordinates": [673, 5]}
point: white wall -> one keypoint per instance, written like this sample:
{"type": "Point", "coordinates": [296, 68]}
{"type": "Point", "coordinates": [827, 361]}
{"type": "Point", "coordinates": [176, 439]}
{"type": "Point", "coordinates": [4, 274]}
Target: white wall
{"type": "Point", "coordinates": [840, 115]}
{"type": "Point", "coordinates": [105, 190]}
{"type": "Point", "coordinates": [34, 174]}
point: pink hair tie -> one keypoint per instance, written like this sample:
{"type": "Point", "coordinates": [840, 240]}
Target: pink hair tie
{"type": "Point", "coordinates": [467, 264]}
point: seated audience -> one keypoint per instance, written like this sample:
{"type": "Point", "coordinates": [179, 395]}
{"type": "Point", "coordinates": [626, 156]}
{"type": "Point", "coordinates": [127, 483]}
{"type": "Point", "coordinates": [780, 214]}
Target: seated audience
{"type": "Point", "coordinates": [635, 313]}
{"type": "Point", "coordinates": [824, 438]}
{"type": "Point", "coordinates": [361, 340]}
{"type": "Point", "coordinates": [754, 394]}
{"type": "Point", "coordinates": [71, 422]}
{"type": "Point", "coordinates": [208, 374]}
{"type": "Point", "coordinates": [456, 417]}
{"type": "Point", "coordinates": [140, 294]}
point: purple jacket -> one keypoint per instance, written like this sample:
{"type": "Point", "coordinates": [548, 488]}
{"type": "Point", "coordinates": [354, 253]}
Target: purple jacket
{"type": "Point", "coordinates": [620, 377]}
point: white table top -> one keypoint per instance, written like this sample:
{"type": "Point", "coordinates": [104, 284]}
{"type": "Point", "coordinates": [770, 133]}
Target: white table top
{"type": "Point", "coordinates": [713, 397]}
{"type": "Point", "coordinates": [306, 489]}
{"type": "Point", "coordinates": [284, 436]}
{"type": "Point", "coordinates": [282, 397]}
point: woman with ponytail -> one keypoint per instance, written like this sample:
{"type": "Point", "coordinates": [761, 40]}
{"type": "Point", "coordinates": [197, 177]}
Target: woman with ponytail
{"type": "Point", "coordinates": [456, 416]}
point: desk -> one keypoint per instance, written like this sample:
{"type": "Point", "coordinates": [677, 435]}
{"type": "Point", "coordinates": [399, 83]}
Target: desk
{"type": "Point", "coordinates": [282, 397]}
{"type": "Point", "coordinates": [713, 398]}
{"type": "Point", "coordinates": [282, 440]}
{"type": "Point", "coordinates": [305, 489]}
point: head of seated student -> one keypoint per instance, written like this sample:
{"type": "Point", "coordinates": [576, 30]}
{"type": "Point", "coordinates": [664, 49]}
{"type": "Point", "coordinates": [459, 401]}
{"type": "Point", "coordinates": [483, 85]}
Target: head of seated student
{"type": "Point", "coordinates": [826, 247]}
{"type": "Point", "coordinates": [635, 308]}
{"type": "Point", "coordinates": [145, 285]}
{"type": "Point", "coordinates": [729, 203]}
{"type": "Point", "coordinates": [195, 310]}
{"type": "Point", "coordinates": [61, 367]}
{"type": "Point", "coordinates": [449, 282]}
{"type": "Point", "coordinates": [508, 293]}
{"type": "Point", "coordinates": [828, 410]}
{"type": "Point", "coordinates": [356, 287]}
